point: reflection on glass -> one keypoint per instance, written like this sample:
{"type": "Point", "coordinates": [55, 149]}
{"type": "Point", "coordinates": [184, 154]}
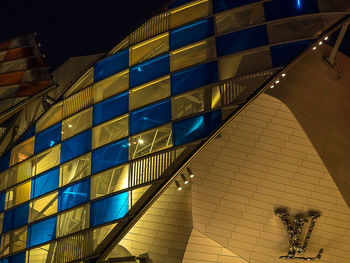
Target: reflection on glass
{"type": "Point", "coordinates": [109, 181]}
{"type": "Point", "coordinates": [149, 49]}
{"type": "Point", "coordinates": [192, 54]}
{"type": "Point", "coordinates": [151, 141]}
{"type": "Point", "coordinates": [22, 151]}
{"type": "Point", "coordinates": [110, 131]}
{"type": "Point", "coordinates": [72, 221]}
{"type": "Point", "coordinates": [111, 86]}
{"type": "Point", "coordinates": [43, 207]}
{"type": "Point", "coordinates": [75, 169]}
{"type": "Point", "coordinates": [188, 13]}
{"type": "Point", "coordinates": [17, 195]}
{"type": "Point", "coordinates": [77, 123]}
{"type": "Point", "coordinates": [52, 116]}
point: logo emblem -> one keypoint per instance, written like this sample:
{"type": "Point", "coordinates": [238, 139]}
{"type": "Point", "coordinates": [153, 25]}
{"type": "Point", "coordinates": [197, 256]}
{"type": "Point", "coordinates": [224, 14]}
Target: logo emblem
{"type": "Point", "coordinates": [294, 232]}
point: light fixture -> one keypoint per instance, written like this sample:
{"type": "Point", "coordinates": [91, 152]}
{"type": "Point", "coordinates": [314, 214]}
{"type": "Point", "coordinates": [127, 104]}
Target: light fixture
{"type": "Point", "coordinates": [314, 48]}
{"type": "Point", "coordinates": [190, 172]}
{"type": "Point", "coordinates": [320, 43]}
{"type": "Point", "coordinates": [184, 179]}
{"type": "Point", "coordinates": [277, 81]}
{"type": "Point", "coordinates": [178, 186]}
{"type": "Point", "coordinates": [325, 38]}
{"type": "Point", "coordinates": [70, 126]}
{"type": "Point", "coordinates": [272, 86]}
{"type": "Point", "coordinates": [283, 75]}
{"type": "Point", "coordinates": [140, 141]}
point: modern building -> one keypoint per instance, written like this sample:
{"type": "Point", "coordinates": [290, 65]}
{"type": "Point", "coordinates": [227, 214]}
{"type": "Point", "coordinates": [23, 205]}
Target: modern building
{"type": "Point", "coordinates": [198, 138]}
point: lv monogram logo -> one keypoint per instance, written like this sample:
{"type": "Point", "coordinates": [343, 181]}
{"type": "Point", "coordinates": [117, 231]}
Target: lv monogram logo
{"type": "Point", "coordinates": [295, 233]}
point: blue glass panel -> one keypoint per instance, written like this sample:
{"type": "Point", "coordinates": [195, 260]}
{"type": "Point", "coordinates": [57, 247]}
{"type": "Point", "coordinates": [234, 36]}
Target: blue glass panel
{"type": "Point", "coordinates": [17, 258]}
{"type": "Point", "coordinates": [283, 54]}
{"type": "Point", "coordinates": [194, 77]}
{"type": "Point", "coordinates": [5, 161]}
{"type": "Point", "coordinates": [241, 40]}
{"type": "Point", "coordinates": [111, 108]}
{"type": "Point", "coordinates": [150, 116]}
{"type": "Point", "coordinates": [42, 232]}
{"type": "Point", "coordinates": [76, 146]}
{"type": "Point", "coordinates": [191, 33]}
{"type": "Point", "coordinates": [149, 70]}
{"type": "Point", "coordinates": [45, 183]}
{"type": "Point", "coordinates": [178, 3]}
{"type": "Point", "coordinates": [2, 200]}
{"type": "Point", "coordinates": [109, 155]}
{"type": "Point", "coordinates": [15, 218]}
{"type": "Point", "coordinates": [29, 133]}
{"type": "Point", "coordinates": [195, 128]}
{"type": "Point", "coordinates": [111, 65]}
{"type": "Point", "coordinates": [221, 5]}
{"type": "Point", "coordinates": [48, 138]}
{"type": "Point", "coordinates": [109, 209]}
{"type": "Point", "coordinates": [74, 195]}
{"type": "Point", "coordinates": [277, 9]}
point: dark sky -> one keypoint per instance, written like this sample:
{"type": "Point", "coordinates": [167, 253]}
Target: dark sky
{"type": "Point", "coordinates": [76, 27]}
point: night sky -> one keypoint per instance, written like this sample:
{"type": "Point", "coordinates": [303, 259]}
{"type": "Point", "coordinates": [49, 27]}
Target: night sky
{"type": "Point", "coordinates": [75, 27]}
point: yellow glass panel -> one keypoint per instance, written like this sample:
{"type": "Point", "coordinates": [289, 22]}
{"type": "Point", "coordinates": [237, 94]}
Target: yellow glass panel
{"type": "Point", "coordinates": [22, 151]}
{"type": "Point", "coordinates": [47, 159]}
{"type": "Point", "coordinates": [149, 92]}
{"type": "Point", "coordinates": [149, 49]}
{"type": "Point", "coordinates": [109, 181]}
{"type": "Point", "coordinates": [151, 141]}
{"type": "Point", "coordinates": [75, 169]}
{"type": "Point", "coordinates": [17, 195]}
{"type": "Point", "coordinates": [192, 54]}
{"type": "Point", "coordinates": [40, 254]}
{"type": "Point", "coordinates": [111, 86]}
{"type": "Point", "coordinates": [25, 170]}
{"type": "Point", "coordinates": [73, 220]}
{"type": "Point", "coordinates": [19, 239]}
{"type": "Point", "coordinates": [52, 116]}
{"type": "Point", "coordinates": [110, 131]}
{"type": "Point", "coordinates": [99, 234]}
{"type": "Point", "coordinates": [1, 221]}
{"type": "Point", "coordinates": [188, 13]}
{"type": "Point", "coordinates": [43, 207]}
{"type": "Point", "coordinates": [77, 102]}
{"type": "Point", "coordinates": [77, 123]}
{"type": "Point", "coordinates": [137, 193]}
{"type": "Point", "coordinates": [5, 244]}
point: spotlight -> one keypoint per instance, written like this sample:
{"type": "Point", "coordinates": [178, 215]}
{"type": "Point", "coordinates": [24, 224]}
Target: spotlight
{"type": "Point", "coordinates": [179, 187]}
{"type": "Point", "coordinates": [277, 81]}
{"type": "Point", "coordinates": [320, 43]}
{"type": "Point", "coordinates": [325, 38]}
{"type": "Point", "coordinates": [70, 125]}
{"type": "Point", "coordinates": [140, 141]}
{"type": "Point", "coordinates": [283, 75]}
{"type": "Point", "coordinates": [314, 48]}
{"type": "Point", "coordinates": [184, 179]}
{"type": "Point", "coordinates": [190, 172]}
{"type": "Point", "coordinates": [272, 86]}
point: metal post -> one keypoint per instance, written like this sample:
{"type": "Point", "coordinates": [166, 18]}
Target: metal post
{"type": "Point", "coordinates": [331, 58]}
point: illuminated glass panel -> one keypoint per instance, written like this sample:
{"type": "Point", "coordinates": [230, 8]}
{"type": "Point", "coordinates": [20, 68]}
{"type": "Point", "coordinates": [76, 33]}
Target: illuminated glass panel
{"type": "Point", "coordinates": [22, 151]}
{"type": "Point", "coordinates": [221, 5]}
{"type": "Point", "coordinates": [111, 108]}
{"type": "Point", "coordinates": [110, 131]}
{"type": "Point", "coordinates": [109, 155]}
{"type": "Point", "coordinates": [22, 171]}
{"type": "Point", "coordinates": [75, 169]}
{"type": "Point", "coordinates": [109, 209]}
{"type": "Point", "coordinates": [43, 207]}
{"type": "Point", "coordinates": [75, 146]}
{"type": "Point", "coordinates": [100, 233]}
{"type": "Point", "coordinates": [193, 54]}
{"type": "Point", "coordinates": [73, 220]}
{"type": "Point", "coordinates": [47, 138]}
{"type": "Point", "coordinates": [45, 183]}
{"type": "Point", "coordinates": [77, 123]}
{"type": "Point", "coordinates": [40, 254]}
{"type": "Point", "coordinates": [52, 116]}
{"type": "Point", "coordinates": [111, 65]}
{"type": "Point", "coordinates": [74, 195]}
{"type": "Point", "coordinates": [196, 127]}
{"type": "Point", "coordinates": [5, 244]}
{"type": "Point", "coordinates": [109, 181]}
{"type": "Point", "coordinates": [19, 239]}
{"type": "Point", "coordinates": [149, 49]}
{"type": "Point", "coordinates": [15, 218]}
{"type": "Point", "coordinates": [42, 232]}
{"type": "Point", "coordinates": [17, 194]}
{"type": "Point", "coordinates": [150, 116]}
{"type": "Point", "coordinates": [1, 221]}
{"type": "Point", "coordinates": [47, 159]}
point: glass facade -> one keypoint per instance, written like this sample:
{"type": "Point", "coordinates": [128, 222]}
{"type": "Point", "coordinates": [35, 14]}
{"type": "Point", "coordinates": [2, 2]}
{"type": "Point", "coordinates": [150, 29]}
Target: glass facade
{"type": "Point", "coordinates": [73, 175]}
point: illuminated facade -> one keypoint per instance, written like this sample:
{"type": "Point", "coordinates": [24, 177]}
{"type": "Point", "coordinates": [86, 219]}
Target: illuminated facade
{"type": "Point", "coordinates": [119, 133]}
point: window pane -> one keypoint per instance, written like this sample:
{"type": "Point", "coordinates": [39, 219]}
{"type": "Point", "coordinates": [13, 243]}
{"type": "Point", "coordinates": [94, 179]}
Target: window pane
{"type": "Point", "coordinates": [221, 5]}
{"type": "Point", "coordinates": [19, 239]}
{"type": "Point", "coordinates": [150, 92]}
{"type": "Point", "coordinates": [75, 169]}
{"type": "Point", "coordinates": [110, 131]}
{"type": "Point", "coordinates": [99, 234]}
{"type": "Point", "coordinates": [238, 18]}
{"type": "Point", "coordinates": [73, 220]}
{"type": "Point", "coordinates": [47, 159]}
{"type": "Point", "coordinates": [45, 183]}
{"type": "Point", "coordinates": [193, 54]}
{"type": "Point", "coordinates": [150, 116]}
{"type": "Point", "coordinates": [75, 146]}
{"type": "Point", "coordinates": [74, 195]}
{"type": "Point", "coordinates": [109, 181]}
{"type": "Point", "coordinates": [24, 170]}
{"type": "Point", "coordinates": [43, 207]}
{"type": "Point", "coordinates": [52, 116]}
{"type": "Point", "coordinates": [47, 138]}
{"type": "Point", "coordinates": [17, 195]}
{"type": "Point", "coordinates": [190, 103]}
{"type": "Point", "coordinates": [189, 12]}
{"type": "Point", "coordinates": [151, 141]}
{"type": "Point", "coordinates": [22, 151]}
{"type": "Point", "coordinates": [149, 49]}
{"type": "Point", "coordinates": [109, 155]}
{"type": "Point", "coordinates": [111, 86]}
{"type": "Point", "coordinates": [42, 232]}
{"type": "Point", "coordinates": [1, 221]}
{"type": "Point", "coordinates": [41, 254]}
{"type": "Point", "coordinates": [15, 218]}
{"type": "Point", "coordinates": [137, 193]}
{"type": "Point", "coordinates": [109, 209]}
{"type": "Point", "coordinates": [77, 123]}
{"type": "Point", "coordinates": [5, 161]}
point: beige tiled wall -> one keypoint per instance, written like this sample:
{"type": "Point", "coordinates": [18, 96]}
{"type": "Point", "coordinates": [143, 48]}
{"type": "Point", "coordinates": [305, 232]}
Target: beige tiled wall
{"type": "Point", "coordinates": [264, 160]}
